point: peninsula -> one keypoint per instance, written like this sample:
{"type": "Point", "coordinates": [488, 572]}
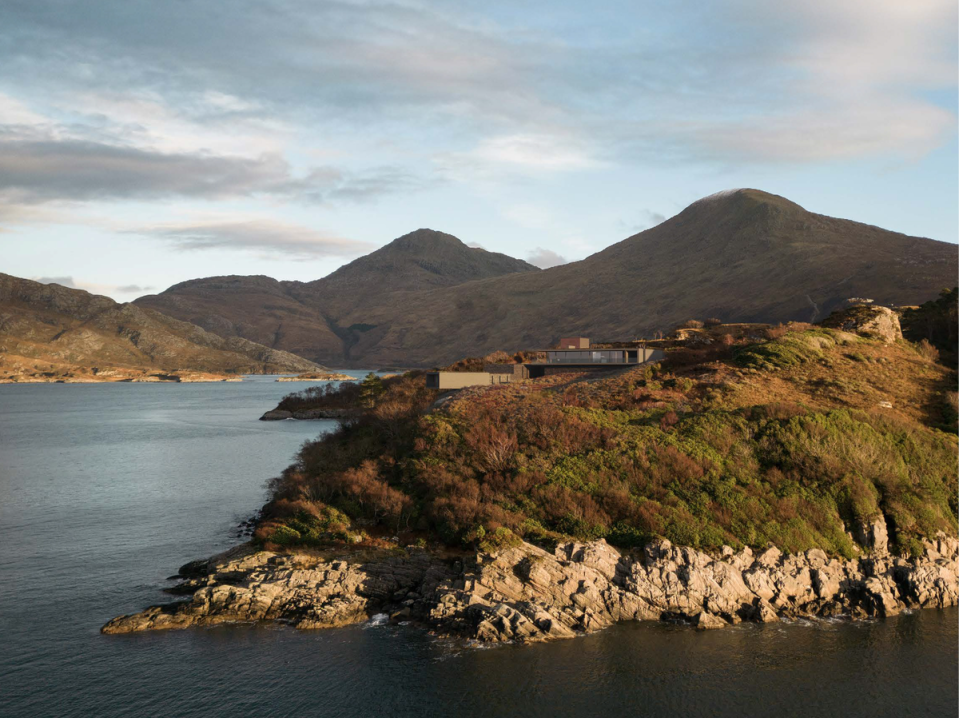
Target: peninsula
{"type": "Point", "coordinates": [755, 473]}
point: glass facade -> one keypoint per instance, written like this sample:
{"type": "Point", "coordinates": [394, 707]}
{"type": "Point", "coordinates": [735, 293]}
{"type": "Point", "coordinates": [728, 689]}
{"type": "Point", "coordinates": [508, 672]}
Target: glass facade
{"type": "Point", "coordinates": [598, 356]}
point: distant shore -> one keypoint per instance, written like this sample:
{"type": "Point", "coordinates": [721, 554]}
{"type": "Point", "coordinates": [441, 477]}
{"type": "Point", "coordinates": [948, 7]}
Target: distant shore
{"type": "Point", "coordinates": [120, 377]}
{"type": "Point", "coordinates": [319, 376]}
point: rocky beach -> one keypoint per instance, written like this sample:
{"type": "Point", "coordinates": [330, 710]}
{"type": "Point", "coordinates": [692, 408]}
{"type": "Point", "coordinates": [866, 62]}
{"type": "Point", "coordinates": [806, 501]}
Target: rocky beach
{"type": "Point", "coordinates": [526, 594]}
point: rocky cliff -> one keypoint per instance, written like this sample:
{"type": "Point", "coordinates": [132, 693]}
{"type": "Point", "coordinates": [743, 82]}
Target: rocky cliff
{"type": "Point", "coordinates": [526, 594]}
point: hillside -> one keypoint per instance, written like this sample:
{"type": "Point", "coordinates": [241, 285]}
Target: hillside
{"type": "Point", "coordinates": [759, 473]}
{"type": "Point", "coordinates": [49, 333]}
{"type": "Point", "coordinates": [807, 438]}
{"type": "Point", "coordinates": [257, 308]}
{"type": "Point", "coordinates": [741, 256]}
{"type": "Point", "coordinates": [309, 318]}
{"type": "Point", "coordinates": [427, 299]}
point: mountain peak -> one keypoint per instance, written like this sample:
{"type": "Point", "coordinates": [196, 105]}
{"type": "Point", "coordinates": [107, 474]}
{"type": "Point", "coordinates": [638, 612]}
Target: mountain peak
{"type": "Point", "coordinates": [745, 196]}
{"type": "Point", "coordinates": [425, 240]}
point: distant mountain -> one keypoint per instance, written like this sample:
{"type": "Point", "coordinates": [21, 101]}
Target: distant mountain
{"type": "Point", "coordinates": [257, 308]}
{"type": "Point", "coordinates": [50, 332]}
{"type": "Point", "coordinates": [740, 255]}
{"type": "Point", "coordinates": [306, 318]}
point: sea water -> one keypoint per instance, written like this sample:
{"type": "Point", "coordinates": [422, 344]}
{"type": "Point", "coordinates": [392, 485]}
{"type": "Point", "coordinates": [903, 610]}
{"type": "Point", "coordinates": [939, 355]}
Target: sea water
{"type": "Point", "coordinates": [105, 490]}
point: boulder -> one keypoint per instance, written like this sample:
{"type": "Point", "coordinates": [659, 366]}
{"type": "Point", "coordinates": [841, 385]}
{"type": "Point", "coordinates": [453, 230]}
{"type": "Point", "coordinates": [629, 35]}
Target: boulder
{"type": "Point", "coordinates": [277, 415]}
{"type": "Point", "coordinates": [867, 320]}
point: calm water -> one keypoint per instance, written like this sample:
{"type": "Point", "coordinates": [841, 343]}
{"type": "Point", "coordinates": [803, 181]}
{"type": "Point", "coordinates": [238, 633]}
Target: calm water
{"type": "Point", "coordinates": [105, 490]}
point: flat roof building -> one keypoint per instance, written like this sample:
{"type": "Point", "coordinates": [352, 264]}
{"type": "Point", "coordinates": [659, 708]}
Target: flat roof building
{"type": "Point", "coordinates": [573, 354]}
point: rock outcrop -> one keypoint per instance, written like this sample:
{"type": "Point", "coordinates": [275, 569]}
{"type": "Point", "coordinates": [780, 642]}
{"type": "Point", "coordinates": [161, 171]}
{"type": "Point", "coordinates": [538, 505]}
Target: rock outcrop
{"type": "Point", "coordinates": [527, 594]}
{"type": "Point", "coordinates": [868, 320]}
{"type": "Point", "coordinates": [319, 376]}
{"type": "Point", "coordinates": [308, 414]}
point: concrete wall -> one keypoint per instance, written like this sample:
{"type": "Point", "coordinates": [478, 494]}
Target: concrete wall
{"type": "Point", "coordinates": [508, 373]}
{"type": "Point", "coordinates": [516, 371]}
{"type": "Point", "coordinates": [459, 379]}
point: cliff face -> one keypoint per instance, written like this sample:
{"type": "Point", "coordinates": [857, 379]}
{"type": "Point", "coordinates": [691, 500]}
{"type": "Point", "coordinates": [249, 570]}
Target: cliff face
{"type": "Point", "coordinates": [427, 299]}
{"type": "Point", "coordinates": [525, 594]}
{"type": "Point", "coordinates": [52, 333]}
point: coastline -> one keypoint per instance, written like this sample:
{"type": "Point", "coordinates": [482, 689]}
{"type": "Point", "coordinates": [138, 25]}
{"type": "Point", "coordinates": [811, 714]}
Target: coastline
{"type": "Point", "coordinates": [525, 594]}
{"type": "Point", "coordinates": [172, 378]}
{"type": "Point", "coordinates": [314, 377]}
{"type": "Point", "coordinates": [308, 414]}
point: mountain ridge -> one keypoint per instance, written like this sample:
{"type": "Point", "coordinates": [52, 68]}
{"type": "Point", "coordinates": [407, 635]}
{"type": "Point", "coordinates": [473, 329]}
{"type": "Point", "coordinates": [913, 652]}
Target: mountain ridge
{"type": "Point", "coordinates": [738, 255]}
{"type": "Point", "coordinates": [51, 332]}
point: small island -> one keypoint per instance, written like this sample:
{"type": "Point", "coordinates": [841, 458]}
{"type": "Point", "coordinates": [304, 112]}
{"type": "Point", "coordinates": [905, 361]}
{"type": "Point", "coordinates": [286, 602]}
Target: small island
{"type": "Point", "coordinates": [318, 376]}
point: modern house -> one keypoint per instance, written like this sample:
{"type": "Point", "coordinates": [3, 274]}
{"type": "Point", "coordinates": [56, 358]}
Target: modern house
{"type": "Point", "coordinates": [573, 355]}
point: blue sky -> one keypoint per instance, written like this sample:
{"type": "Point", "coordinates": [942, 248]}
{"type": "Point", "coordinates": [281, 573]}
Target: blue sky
{"type": "Point", "coordinates": [145, 143]}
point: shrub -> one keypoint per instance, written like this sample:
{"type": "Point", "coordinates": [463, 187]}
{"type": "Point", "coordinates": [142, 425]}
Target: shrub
{"type": "Point", "coordinates": [612, 457]}
{"type": "Point", "coordinates": [927, 350]}
{"type": "Point", "coordinates": [499, 540]}
{"type": "Point", "coordinates": [713, 322]}
{"type": "Point", "coordinates": [691, 324]}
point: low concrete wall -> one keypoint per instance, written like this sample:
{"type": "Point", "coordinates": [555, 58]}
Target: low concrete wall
{"type": "Point", "coordinates": [458, 379]}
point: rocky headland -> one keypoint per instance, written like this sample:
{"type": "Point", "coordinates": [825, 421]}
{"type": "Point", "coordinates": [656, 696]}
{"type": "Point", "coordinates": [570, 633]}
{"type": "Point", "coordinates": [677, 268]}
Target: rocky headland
{"type": "Point", "coordinates": [307, 414]}
{"type": "Point", "coordinates": [319, 376]}
{"type": "Point", "coordinates": [753, 442]}
{"type": "Point", "coordinates": [523, 593]}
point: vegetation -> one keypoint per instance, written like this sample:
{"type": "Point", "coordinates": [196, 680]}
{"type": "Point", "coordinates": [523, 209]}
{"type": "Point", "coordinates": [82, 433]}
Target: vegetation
{"type": "Point", "coordinates": [936, 323]}
{"type": "Point", "coordinates": [798, 439]}
{"type": "Point", "coordinates": [346, 395]}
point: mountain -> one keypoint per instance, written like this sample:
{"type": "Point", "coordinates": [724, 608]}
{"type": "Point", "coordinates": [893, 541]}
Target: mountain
{"type": "Point", "coordinates": [257, 308]}
{"type": "Point", "coordinates": [50, 332]}
{"type": "Point", "coordinates": [307, 318]}
{"type": "Point", "coordinates": [739, 255]}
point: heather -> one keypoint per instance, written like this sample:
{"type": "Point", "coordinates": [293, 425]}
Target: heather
{"type": "Point", "coordinates": [799, 437]}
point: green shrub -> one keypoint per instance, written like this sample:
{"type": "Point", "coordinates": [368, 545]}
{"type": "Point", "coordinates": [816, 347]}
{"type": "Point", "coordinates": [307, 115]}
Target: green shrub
{"type": "Point", "coordinates": [499, 540]}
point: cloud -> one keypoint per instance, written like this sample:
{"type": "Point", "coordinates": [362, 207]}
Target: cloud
{"type": "Point", "coordinates": [853, 83]}
{"type": "Point", "coordinates": [263, 235]}
{"type": "Point", "coordinates": [654, 218]}
{"type": "Point", "coordinates": [545, 258]}
{"type": "Point", "coordinates": [62, 281]}
{"type": "Point", "coordinates": [35, 171]}
{"type": "Point", "coordinates": [535, 152]}
{"type": "Point", "coordinates": [93, 287]}
{"type": "Point", "coordinates": [14, 112]}
{"type": "Point", "coordinates": [534, 90]}
{"type": "Point", "coordinates": [133, 289]}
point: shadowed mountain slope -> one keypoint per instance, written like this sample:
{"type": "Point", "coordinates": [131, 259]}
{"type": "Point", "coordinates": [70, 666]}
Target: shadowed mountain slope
{"type": "Point", "coordinates": [50, 331]}
{"type": "Point", "coordinates": [306, 318]}
{"type": "Point", "coordinates": [739, 255]}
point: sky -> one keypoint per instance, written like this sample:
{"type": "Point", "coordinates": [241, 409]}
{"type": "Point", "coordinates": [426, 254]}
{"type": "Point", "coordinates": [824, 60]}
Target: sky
{"type": "Point", "coordinates": [145, 143]}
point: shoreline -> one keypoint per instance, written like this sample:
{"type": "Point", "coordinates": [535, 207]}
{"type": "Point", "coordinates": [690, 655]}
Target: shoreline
{"type": "Point", "coordinates": [125, 380]}
{"type": "Point", "coordinates": [308, 414]}
{"type": "Point", "coordinates": [525, 594]}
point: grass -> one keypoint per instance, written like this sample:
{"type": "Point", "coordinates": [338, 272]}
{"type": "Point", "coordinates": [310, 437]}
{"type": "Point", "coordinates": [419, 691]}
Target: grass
{"type": "Point", "coordinates": [796, 440]}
